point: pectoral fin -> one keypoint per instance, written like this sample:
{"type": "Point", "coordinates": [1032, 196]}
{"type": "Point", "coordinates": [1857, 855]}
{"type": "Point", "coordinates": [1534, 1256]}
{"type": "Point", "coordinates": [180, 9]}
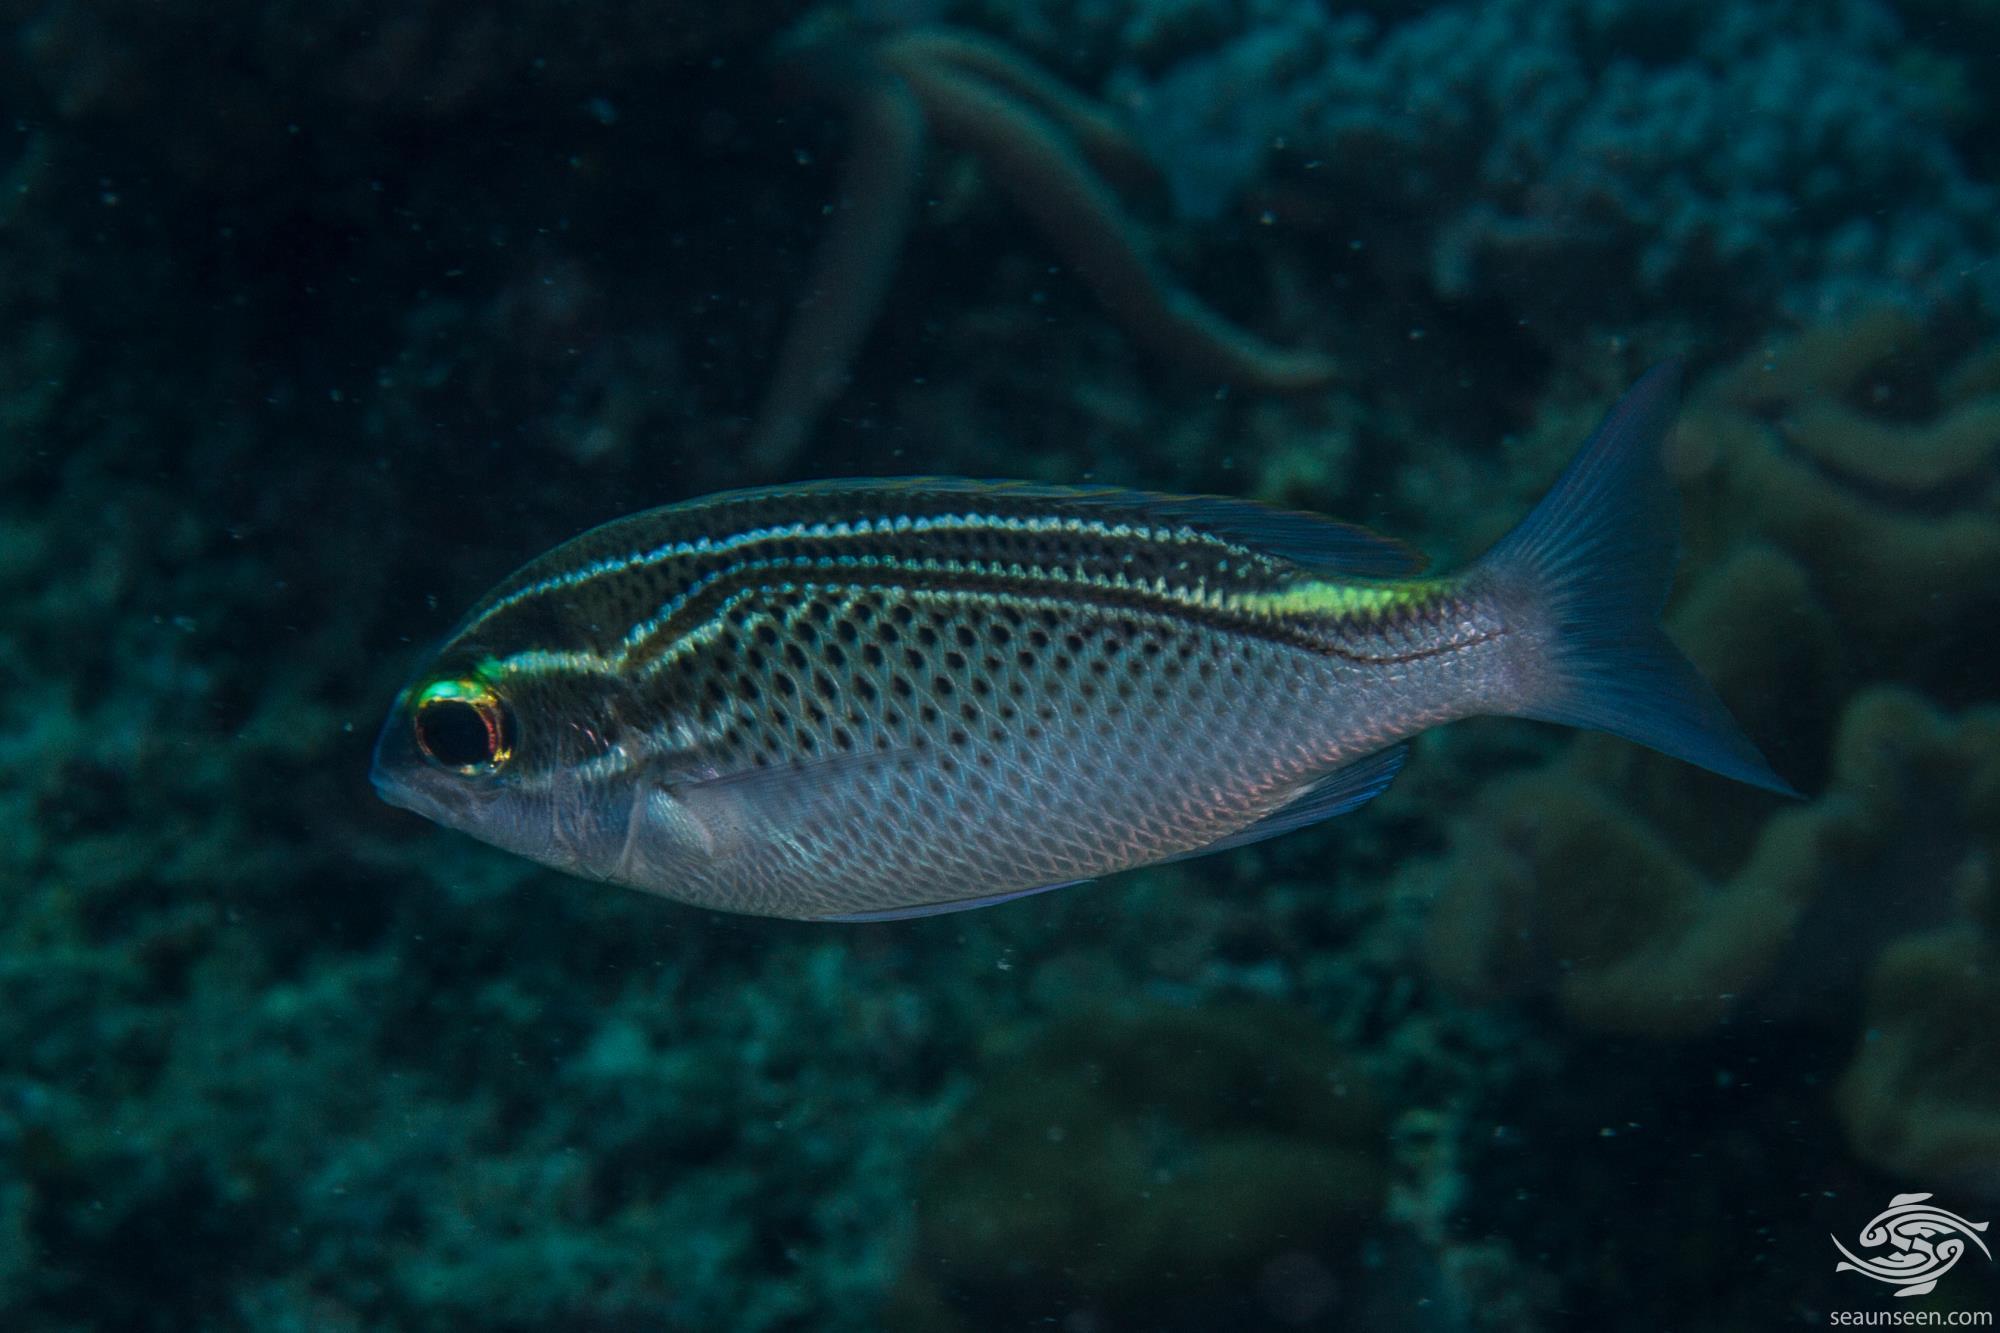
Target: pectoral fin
{"type": "Point", "coordinates": [757, 806]}
{"type": "Point", "coordinates": [1346, 788]}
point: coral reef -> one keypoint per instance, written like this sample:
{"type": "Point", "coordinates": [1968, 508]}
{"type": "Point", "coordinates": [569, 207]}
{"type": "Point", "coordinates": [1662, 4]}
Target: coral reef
{"type": "Point", "coordinates": [1869, 450]}
{"type": "Point", "coordinates": [1235, 1147]}
{"type": "Point", "coordinates": [1561, 887]}
{"type": "Point", "coordinates": [1847, 515]}
{"type": "Point", "coordinates": [314, 320]}
{"type": "Point", "coordinates": [1919, 1099]}
{"type": "Point", "coordinates": [1566, 158]}
{"type": "Point", "coordinates": [1841, 484]}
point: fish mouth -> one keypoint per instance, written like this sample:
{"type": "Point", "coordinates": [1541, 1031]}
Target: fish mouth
{"type": "Point", "coordinates": [382, 763]}
{"type": "Point", "coordinates": [403, 779]}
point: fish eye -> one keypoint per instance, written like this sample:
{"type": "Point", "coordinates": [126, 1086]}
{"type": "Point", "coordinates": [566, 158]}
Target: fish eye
{"type": "Point", "coordinates": [463, 726]}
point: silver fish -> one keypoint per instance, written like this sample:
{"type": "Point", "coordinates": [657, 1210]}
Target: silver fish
{"type": "Point", "coordinates": [864, 700]}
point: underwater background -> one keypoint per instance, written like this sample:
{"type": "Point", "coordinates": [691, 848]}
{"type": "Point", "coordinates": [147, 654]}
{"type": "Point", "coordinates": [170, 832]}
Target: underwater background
{"type": "Point", "coordinates": [317, 319]}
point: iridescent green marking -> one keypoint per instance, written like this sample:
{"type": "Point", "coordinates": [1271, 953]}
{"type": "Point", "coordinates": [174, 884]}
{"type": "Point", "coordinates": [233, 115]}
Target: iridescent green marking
{"type": "Point", "coordinates": [451, 691]}
{"type": "Point", "coordinates": [1362, 602]}
{"type": "Point", "coordinates": [542, 662]}
{"type": "Point", "coordinates": [462, 725]}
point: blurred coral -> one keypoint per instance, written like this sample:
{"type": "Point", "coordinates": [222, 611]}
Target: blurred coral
{"type": "Point", "coordinates": [1557, 887]}
{"type": "Point", "coordinates": [1234, 1146]}
{"type": "Point", "coordinates": [1846, 496]}
{"type": "Point", "coordinates": [1870, 451]}
{"type": "Point", "coordinates": [1921, 1097]}
{"type": "Point", "coordinates": [1566, 158]}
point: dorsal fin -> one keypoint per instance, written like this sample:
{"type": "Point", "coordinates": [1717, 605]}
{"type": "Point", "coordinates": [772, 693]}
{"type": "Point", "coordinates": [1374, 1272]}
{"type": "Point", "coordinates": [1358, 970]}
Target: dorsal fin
{"type": "Point", "coordinates": [1320, 544]}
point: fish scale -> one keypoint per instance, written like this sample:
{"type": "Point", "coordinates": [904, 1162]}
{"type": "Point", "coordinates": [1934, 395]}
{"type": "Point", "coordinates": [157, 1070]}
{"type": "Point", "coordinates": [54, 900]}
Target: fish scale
{"type": "Point", "coordinates": [887, 698]}
{"type": "Point", "coordinates": [1014, 723]}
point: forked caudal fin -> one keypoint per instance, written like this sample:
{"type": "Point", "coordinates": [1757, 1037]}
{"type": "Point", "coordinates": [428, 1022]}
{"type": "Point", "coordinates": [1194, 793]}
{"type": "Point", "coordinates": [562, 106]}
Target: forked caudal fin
{"type": "Point", "coordinates": [1590, 568]}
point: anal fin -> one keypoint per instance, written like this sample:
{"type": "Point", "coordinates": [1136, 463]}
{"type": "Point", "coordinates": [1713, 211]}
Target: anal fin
{"type": "Point", "coordinates": [1346, 788]}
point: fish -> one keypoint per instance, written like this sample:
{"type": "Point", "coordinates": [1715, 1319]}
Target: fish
{"type": "Point", "coordinates": [866, 700]}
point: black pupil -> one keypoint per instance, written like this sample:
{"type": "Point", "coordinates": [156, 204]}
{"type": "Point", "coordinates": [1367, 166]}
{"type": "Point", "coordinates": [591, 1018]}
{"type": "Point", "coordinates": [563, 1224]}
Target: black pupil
{"type": "Point", "coordinates": [454, 733]}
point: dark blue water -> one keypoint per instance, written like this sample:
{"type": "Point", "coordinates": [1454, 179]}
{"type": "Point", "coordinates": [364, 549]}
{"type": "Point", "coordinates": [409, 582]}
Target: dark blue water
{"type": "Point", "coordinates": [315, 320]}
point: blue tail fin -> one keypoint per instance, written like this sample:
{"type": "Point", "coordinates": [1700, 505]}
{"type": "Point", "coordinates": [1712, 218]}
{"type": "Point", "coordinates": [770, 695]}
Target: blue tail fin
{"type": "Point", "coordinates": [1589, 569]}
